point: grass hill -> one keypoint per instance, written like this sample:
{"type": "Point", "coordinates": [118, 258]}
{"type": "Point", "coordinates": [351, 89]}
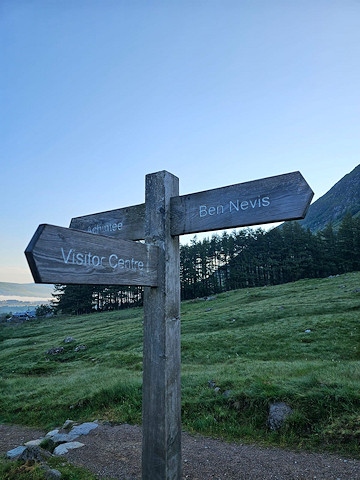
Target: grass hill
{"type": "Point", "coordinates": [342, 198]}
{"type": "Point", "coordinates": [297, 343]}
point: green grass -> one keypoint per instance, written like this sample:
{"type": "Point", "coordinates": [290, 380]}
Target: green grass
{"type": "Point", "coordinates": [17, 470]}
{"type": "Point", "coordinates": [253, 343]}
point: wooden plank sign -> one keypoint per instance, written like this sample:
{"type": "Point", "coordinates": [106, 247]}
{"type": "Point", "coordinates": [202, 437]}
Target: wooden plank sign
{"type": "Point", "coordinates": [272, 199]}
{"type": "Point", "coordinates": [76, 256]}
{"type": "Point", "coordinates": [67, 256]}
{"type": "Point", "coordinates": [127, 223]}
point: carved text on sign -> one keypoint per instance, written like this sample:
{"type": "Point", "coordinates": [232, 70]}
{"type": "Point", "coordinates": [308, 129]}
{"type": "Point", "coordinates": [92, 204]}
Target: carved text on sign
{"type": "Point", "coordinates": [113, 260]}
{"type": "Point", "coordinates": [235, 206]}
{"type": "Point", "coordinates": [105, 228]}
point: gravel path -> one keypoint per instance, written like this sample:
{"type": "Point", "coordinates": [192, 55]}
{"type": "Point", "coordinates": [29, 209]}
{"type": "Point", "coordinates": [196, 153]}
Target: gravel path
{"type": "Point", "coordinates": [115, 452]}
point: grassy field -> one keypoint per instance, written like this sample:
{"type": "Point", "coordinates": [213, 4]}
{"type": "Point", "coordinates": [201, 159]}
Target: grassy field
{"type": "Point", "coordinates": [298, 343]}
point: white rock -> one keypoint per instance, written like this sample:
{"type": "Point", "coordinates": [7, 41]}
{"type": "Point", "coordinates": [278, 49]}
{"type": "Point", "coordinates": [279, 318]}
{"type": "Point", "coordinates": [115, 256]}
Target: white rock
{"type": "Point", "coordinates": [65, 447]}
{"type": "Point", "coordinates": [34, 443]}
{"type": "Point", "coordinates": [84, 428]}
{"type": "Point", "coordinates": [15, 452]}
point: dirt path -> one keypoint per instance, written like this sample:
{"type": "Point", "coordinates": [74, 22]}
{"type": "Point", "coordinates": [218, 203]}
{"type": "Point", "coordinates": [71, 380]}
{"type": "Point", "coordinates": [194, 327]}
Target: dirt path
{"type": "Point", "coordinates": [115, 452]}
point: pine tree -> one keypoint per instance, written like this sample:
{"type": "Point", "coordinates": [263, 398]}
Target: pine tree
{"type": "Point", "coordinates": [73, 299]}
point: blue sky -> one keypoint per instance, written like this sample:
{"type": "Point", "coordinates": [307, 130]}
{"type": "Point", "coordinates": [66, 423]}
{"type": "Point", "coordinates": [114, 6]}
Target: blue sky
{"type": "Point", "coordinates": [95, 94]}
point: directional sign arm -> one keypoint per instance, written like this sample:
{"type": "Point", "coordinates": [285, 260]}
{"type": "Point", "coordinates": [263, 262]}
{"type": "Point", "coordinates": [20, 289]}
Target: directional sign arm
{"type": "Point", "coordinates": [67, 256]}
{"type": "Point", "coordinates": [29, 256]}
{"type": "Point", "coordinates": [127, 223]}
{"type": "Point", "coordinates": [272, 199]}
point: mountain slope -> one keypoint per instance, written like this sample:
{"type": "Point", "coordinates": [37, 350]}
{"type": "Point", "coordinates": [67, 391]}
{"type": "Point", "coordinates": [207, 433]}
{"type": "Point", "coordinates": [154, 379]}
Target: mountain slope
{"type": "Point", "coordinates": [342, 198]}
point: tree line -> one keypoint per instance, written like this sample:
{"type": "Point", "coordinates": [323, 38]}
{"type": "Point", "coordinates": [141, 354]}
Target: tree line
{"type": "Point", "coordinates": [241, 259]}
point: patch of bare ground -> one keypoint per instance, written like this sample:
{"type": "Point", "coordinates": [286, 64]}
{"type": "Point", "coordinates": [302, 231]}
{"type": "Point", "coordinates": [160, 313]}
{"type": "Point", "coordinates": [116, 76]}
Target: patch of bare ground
{"type": "Point", "coordinates": [115, 452]}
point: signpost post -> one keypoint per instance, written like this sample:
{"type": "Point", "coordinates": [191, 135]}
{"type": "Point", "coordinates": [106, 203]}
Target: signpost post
{"type": "Point", "coordinates": [85, 254]}
{"type": "Point", "coordinates": [161, 456]}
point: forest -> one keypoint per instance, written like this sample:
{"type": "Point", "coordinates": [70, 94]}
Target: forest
{"type": "Point", "coordinates": [241, 259]}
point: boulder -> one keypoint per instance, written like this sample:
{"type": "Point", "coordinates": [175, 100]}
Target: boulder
{"type": "Point", "coordinates": [278, 412]}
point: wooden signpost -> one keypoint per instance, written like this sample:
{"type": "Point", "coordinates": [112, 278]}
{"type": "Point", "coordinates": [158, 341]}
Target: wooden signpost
{"type": "Point", "coordinates": [84, 254]}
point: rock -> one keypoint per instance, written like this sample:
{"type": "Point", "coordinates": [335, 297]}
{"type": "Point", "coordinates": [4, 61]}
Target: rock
{"type": "Point", "coordinates": [63, 437]}
{"type": "Point", "coordinates": [68, 424]}
{"type": "Point", "coordinates": [69, 339]}
{"type": "Point", "coordinates": [34, 443]}
{"type": "Point", "coordinates": [278, 413]}
{"type": "Point", "coordinates": [52, 474]}
{"type": "Point", "coordinates": [15, 452]}
{"type": "Point", "coordinates": [62, 441]}
{"type": "Point", "coordinates": [55, 350]}
{"type": "Point", "coordinates": [84, 428]}
{"type": "Point", "coordinates": [57, 436]}
{"type": "Point", "coordinates": [65, 447]}
{"type": "Point", "coordinates": [78, 348]}
{"type": "Point", "coordinates": [29, 452]}
{"type": "Point", "coordinates": [34, 453]}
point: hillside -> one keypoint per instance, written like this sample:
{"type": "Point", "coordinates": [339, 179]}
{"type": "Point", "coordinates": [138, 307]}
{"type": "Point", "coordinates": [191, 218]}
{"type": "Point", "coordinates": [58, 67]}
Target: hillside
{"type": "Point", "coordinates": [241, 350]}
{"type": "Point", "coordinates": [342, 198]}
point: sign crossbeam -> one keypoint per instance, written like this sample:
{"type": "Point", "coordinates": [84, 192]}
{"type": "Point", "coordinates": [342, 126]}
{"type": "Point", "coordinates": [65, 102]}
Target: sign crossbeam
{"type": "Point", "coordinates": [100, 249]}
{"type": "Point", "coordinates": [127, 223]}
{"type": "Point", "coordinates": [268, 200]}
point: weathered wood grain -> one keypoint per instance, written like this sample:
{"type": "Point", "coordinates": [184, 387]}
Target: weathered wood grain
{"type": "Point", "coordinates": [161, 458]}
{"type": "Point", "coordinates": [67, 256]}
{"type": "Point", "coordinates": [127, 223]}
{"type": "Point", "coordinates": [272, 199]}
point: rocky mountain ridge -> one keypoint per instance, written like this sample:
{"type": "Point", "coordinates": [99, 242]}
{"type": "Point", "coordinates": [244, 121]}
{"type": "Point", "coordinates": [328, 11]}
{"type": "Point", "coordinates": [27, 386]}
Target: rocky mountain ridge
{"type": "Point", "coordinates": [342, 198]}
